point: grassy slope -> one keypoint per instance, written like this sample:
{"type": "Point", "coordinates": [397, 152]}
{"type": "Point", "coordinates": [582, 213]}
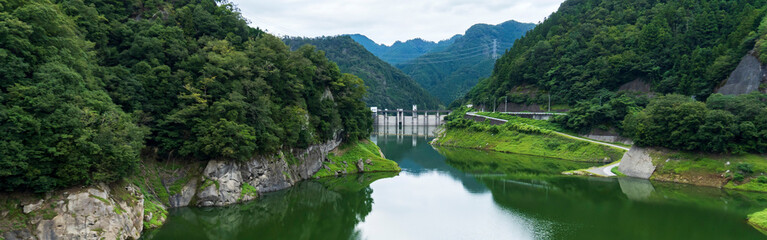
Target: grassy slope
{"type": "Point", "coordinates": [759, 220]}
{"type": "Point", "coordinates": [545, 145]}
{"type": "Point", "coordinates": [350, 153]}
{"type": "Point", "coordinates": [709, 169]}
{"type": "Point", "coordinates": [542, 124]}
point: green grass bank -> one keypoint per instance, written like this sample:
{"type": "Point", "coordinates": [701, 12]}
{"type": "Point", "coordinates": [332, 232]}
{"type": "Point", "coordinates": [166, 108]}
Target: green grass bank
{"type": "Point", "coordinates": [356, 157]}
{"type": "Point", "coordinates": [747, 172]}
{"type": "Point", "coordinates": [522, 138]}
{"type": "Point", "coordinates": [759, 221]}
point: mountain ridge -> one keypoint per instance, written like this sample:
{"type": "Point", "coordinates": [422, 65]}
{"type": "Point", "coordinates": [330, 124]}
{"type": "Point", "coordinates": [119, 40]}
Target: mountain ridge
{"type": "Point", "coordinates": [388, 87]}
{"type": "Point", "coordinates": [450, 73]}
{"type": "Point", "coordinates": [399, 51]}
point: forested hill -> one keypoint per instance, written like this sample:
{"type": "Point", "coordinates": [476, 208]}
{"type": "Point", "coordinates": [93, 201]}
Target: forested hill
{"type": "Point", "coordinates": [88, 84]}
{"type": "Point", "coordinates": [400, 52]}
{"type": "Point", "coordinates": [450, 73]}
{"type": "Point", "coordinates": [388, 87]}
{"type": "Point", "coordinates": [587, 46]}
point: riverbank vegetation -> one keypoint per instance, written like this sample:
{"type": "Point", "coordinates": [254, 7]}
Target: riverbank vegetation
{"type": "Point", "coordinates": [88, 84]}
{"type": "Point", "coordinates": [521, 138]}
{"type": "Point", "coordinates": [348, 158]}
{"type": "Point", "coordinates": [732, 171]}
{"type": "Point", "coordinates": [759, 221]}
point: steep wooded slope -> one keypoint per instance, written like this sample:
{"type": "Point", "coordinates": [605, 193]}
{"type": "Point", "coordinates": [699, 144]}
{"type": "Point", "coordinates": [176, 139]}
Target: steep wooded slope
{"type": "Point", "coordinates": [83, 83]}
{"type": "Point", "coordinates": [685, 47]}
{"type": "Point", "coordinates": [388, 87]}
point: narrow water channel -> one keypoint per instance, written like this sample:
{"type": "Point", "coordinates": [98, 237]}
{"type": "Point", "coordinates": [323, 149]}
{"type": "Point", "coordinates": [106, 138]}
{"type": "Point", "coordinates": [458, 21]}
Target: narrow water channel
{"type": "Point", "coordinates": [465, 194]}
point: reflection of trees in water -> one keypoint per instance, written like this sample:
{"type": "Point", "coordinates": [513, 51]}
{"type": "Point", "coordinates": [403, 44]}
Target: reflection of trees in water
{"type": "Point", "coordinates": [322, 209]}
{"type": "Point", "coordinates": [483, 162]}
{"type": "Point", "coordinates": [590, 208]}
{"type": "Point", "coordinates": [463, 161]}
{"type": "Point", "coordinates": [424, 158]}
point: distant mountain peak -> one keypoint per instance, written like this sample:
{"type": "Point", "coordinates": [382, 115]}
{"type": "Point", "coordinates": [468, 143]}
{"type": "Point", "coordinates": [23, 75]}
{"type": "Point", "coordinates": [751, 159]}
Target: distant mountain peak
{"type": "Point", "coordinates": [399, 51]}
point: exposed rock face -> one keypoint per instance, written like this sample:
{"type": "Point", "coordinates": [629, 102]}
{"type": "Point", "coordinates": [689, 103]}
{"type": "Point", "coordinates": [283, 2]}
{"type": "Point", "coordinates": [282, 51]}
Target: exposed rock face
{"type": "Point", "coordinates": [637, 163]}
{"type": "Point", "coordinates": [185, 197]}
{"type": "Point", "coordinates": [223, 181]}
{"type": "Point", "coordinates": [638, 85]}
{"type": "Point", "coordinates": [104, 212]}
{"type": "Point", "coordinates": [746, 78]}
{"type": "Point", "coordinates": [89, 213]}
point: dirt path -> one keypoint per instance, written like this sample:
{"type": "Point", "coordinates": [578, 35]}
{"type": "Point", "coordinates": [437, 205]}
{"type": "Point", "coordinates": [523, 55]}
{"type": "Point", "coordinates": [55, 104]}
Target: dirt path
{"type": "Point", "coordinates": [605, 170]}
{"type": "Point", "coordinates": [559, 133]}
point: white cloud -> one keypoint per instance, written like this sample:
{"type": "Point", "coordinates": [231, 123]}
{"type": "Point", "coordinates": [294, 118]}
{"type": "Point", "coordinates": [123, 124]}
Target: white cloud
{"type": "Point", "coordinates": [387, 21]}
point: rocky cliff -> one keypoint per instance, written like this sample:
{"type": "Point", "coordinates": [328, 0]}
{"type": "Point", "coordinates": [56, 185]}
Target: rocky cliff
{"type": "Point", "coordinates": [747, 77]}
{"type": "Point", "coordinates": [124, 210]}
{"type": "Point", "coordinates": [97, 212]}
{"type": "Point", "coordinates": [227, 182]}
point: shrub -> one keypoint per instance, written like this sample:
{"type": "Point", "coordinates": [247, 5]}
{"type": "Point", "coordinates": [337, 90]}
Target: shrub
{"type": "Point", "coordinates": [477, 128]}
{"type": "Point", "coordinates": [745, 168]}
{"type": "Point", "coordinates": [494, 129]}
{"type": "Point", "coordinates": [738, 177]}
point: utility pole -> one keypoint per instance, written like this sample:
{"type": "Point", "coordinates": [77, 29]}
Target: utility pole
{"type": "Point", "coordinates": [495, 49]}
{"type": "Point", "coordinates": [549, 101]}
{"type": "Point", "coordinates": [505, 103]}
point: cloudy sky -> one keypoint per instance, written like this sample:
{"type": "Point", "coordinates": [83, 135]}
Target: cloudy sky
{"type": "Point", "coordinates": [386, 21]}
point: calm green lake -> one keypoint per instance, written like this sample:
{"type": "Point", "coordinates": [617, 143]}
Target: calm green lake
{"type": "Point", "coordinates": [465, 194]}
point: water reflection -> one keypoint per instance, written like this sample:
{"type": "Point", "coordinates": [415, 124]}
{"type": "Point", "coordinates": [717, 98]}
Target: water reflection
{"type": "Point", "coordinates": [432, 206]}
{"type": "Point", "coordinates": [582, 208]}
{"type": "Point", "coordinates": [324, 209]}
{"type": "Point", "coordinates": [450, 193]}
{"type": "Point", "coordinates": [399, 132]}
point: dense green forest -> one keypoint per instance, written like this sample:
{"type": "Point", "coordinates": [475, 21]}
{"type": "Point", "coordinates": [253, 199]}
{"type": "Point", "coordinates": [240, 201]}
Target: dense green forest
{"type": "Point", "coordinates": [89, 84]}
{"type": "Point", "coordinates": [723, 124]}
{"type": "Point", "coordinates": [448, 74]}
{"type": "Point", "coordinates": [401, 52]}
{"type": "Point", "coordinates": [388, 87]}
{"type": "Point", "coordinates": [686, 47]}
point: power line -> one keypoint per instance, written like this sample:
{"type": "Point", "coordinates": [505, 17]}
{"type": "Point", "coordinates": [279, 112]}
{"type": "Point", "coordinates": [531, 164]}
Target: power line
{"type": "Point", "coordinates": [444, 61]}
{"type": "Point", "coordinates": [460, 50]}
{"type": "Point", "coordinates": [449, 56]}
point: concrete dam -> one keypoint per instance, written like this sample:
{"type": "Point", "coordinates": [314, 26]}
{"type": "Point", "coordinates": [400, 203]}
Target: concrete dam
{"type": "Point", "coordinates": [415, 117]}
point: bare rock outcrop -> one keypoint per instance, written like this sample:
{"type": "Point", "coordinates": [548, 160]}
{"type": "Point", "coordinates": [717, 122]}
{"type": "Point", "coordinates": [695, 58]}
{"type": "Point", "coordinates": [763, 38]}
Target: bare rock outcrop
{"type": "Point", "coordinates": [98, 212]}
{"type": "Point", "coordinates": [637, 163]}
{"type": "Point", "coordinates": [224, 182]}
{"type": "Point", "coordinates": [746, 78]}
